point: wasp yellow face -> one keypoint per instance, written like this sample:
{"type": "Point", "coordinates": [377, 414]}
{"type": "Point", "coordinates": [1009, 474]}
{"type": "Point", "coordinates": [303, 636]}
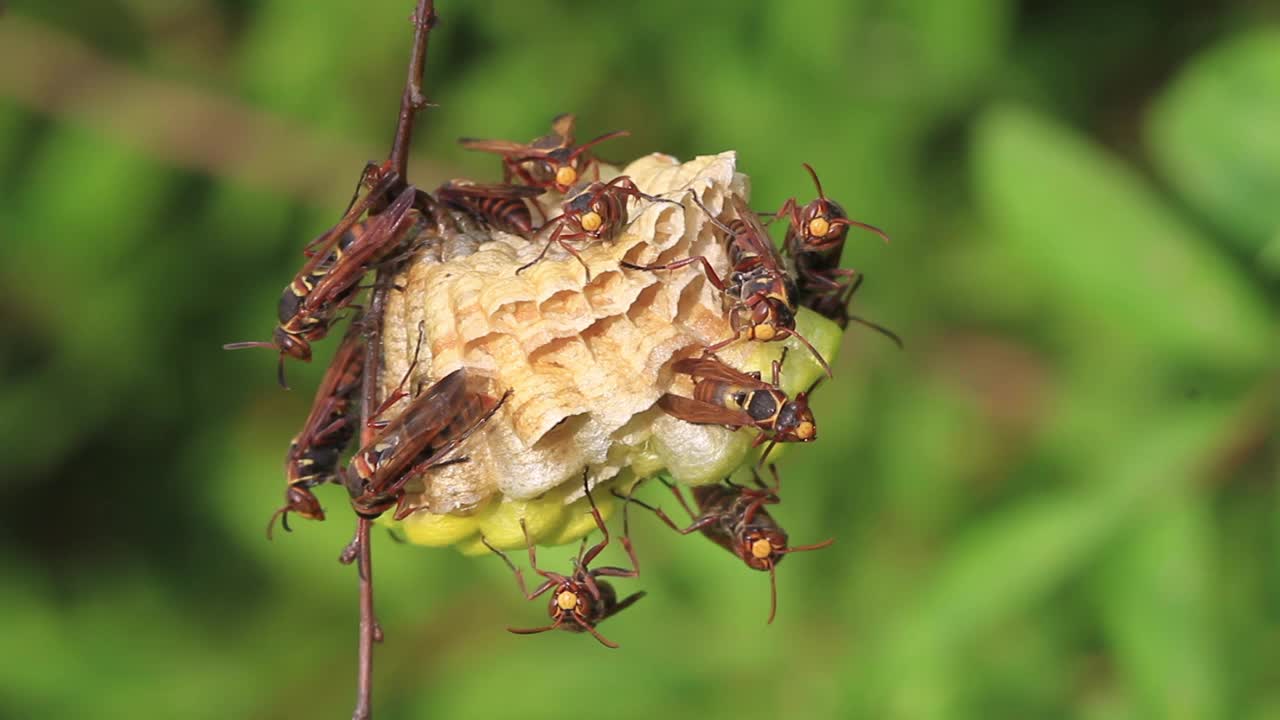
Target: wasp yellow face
{"type": "Point", "coordinates": [805, 430]}
{"type": "Point", "coordinates": [765, 332]}
{"type": "Point", "coordinates": [566, 176]}
{"type": "Point", "coordinates": [819, 226]}
{"type": "Point", "coordinates": [591, 221]}
{"type": "Point", "coordinates": [567, 600]}
{"type": "Point", "coordinates": [761, 549]}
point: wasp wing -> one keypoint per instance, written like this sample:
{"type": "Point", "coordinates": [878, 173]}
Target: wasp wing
{"type": "Point", "coordinates": [701, 413]}
{"type": "Point", "coordinates": [710, 368]}
{"type": "Point", "coordinates": [501, 147]}
{"type": "Point", "coordinates": [758, 237]}
{"type": "Point", "coordinates": [320, 248]}
{"type": "Point", "coordinates": [428, 415]}
{"type": "Point", "coordinates": [562, 132]}
{"type": "Point", "coordinates": [342, 377]}
{"type": "Point", "coordinates": [497, 190]}
{"type": "Point", "coordinates": [382, 233]}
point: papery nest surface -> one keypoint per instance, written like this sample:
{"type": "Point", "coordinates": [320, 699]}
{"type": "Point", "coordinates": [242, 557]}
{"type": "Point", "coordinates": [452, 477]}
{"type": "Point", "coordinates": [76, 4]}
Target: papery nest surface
{"type": "Point", "coordinates": [585, 359]}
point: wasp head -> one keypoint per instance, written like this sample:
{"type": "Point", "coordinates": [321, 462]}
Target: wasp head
{"type": "Point", "coordinates": [762, 548]}
{"type": "Point", "coordinates": [292, 345]}
{"type": "Point", "coordinates": [823, 226]}
{"type": "Point", "coordinates": [562, 169]}
{"type": "Point", "coordinates": [795, 421]}
{"type": "Point", "coordinates": [573, 605]}
{"type": "Point", "coordinates": [771, 319]}
{"type": "Point", "coordinates": [301, 501]}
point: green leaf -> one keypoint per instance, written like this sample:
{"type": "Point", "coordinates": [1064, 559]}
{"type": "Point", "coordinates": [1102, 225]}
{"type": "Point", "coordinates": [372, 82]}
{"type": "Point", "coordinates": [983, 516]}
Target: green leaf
{"type": "Point", "coordinates": [1012, 561]}
{"type": "Point", "coordinates": [1215, 134]}
{"type": "Point", "coordinates": [1108, 250]}
{"type": "Point", "coordinates": [1156, 600]}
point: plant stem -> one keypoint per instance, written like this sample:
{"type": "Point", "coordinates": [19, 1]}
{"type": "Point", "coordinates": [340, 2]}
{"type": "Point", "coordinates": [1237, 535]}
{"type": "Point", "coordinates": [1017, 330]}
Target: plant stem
{"type": "Point", "coordinates": [368, 624]}
{"type": "Point", "coordinates": [424, 18]}
{"type": "Point", "coordinates": [360, 549]}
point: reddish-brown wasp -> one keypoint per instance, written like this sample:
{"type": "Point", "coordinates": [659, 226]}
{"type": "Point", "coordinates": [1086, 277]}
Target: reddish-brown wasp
{"type": "Point", "coordinates": [581, 600]}
{"type": "Point", "coordinates": [314, 452]}
{"type": "Point", "coordinates": [760, 293]}
{"type": "Point", "coordinates": [725, 396]}
{"type": "Point", "coordinates": [552, 161]}
{"type": "Point", "coordinates": [328, 281]}
{"type": "Point", "coordinates": [815, 242]}
{"type": "Point", "coordinates": [420, 439]}
{"type": "Point", "coordinates": [599, 212]}
{"type": "Point", "coordinates": [498, 206]}
{"type": "Point", "coordinates": [733, 517]}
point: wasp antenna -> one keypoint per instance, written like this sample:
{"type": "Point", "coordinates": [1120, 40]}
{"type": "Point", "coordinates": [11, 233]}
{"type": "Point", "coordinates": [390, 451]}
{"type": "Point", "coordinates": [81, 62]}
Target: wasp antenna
{"type": "Point", "coordinates": [816, 182]}
{"type": "Point", "coordinates": [814, 546]}
{"type": "Point", "coordinates": [817, 355]}
{"type": "Point", "coordinates": [283, 514]}
{"type": "Point", "coordinates": [597, 140]}
{"type": "Point", "coordinates": [280, 373]}
{"type": "Point", "coordinates": [535, 631]}
{"type": "Point", "coordinates": [248, 344]}
{"type": "Point", "coordinates": [880, 329]}
{"type": "Point", "coordinates": [869, 228]}
{"type": "Point", "coordinates": [710, 215]}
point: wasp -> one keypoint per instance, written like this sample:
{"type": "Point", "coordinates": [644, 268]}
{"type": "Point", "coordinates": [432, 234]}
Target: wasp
{"type": "Point", "coordinates": [498, 206]}
{"type": "Point", "coordinates": [734, 517]}
{"type": "Point", "coordinates": [760, 294]}
{"type": "Point", "coordinates": [329, 281]}
{"type": "Point", "coordinates": [581, 600]}
{"type": "Point", "coordinates": [435, 423]}
{"type": "Point", "coordinates": [313, 454]}
{"type": "Point", "coordinates": [598, 212]}
{"type": "Point", "coordinates": [725, 396]}
{"type": "Point", "coordinates": [815, 241]}
{"type": "Point", "coordinates": [552, 161]}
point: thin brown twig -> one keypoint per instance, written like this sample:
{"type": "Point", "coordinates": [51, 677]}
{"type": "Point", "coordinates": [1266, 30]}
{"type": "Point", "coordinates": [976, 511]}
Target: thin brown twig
{"type": "Point", "coordinates": [424, 18]}
{"type": "Point", "coordinates": [360, 549]}
{"type": "Point", "coordinates": [369, 630]}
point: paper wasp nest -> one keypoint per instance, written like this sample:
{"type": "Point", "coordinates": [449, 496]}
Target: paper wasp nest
{"type": "Point", "coordinates": [586, 360]}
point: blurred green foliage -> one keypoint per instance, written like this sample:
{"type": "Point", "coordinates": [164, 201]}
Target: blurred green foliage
{"type": "Point", "coordinates": [1060, 501]}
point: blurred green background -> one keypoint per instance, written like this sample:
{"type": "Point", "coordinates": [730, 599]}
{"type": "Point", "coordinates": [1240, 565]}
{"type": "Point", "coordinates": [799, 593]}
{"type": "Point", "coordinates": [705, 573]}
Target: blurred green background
{"type": "Point", "coordinates": [1060, 500]}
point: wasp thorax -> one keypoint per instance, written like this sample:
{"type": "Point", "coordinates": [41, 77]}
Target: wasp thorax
{"type": "Point", "coordinates": [586, 360]}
